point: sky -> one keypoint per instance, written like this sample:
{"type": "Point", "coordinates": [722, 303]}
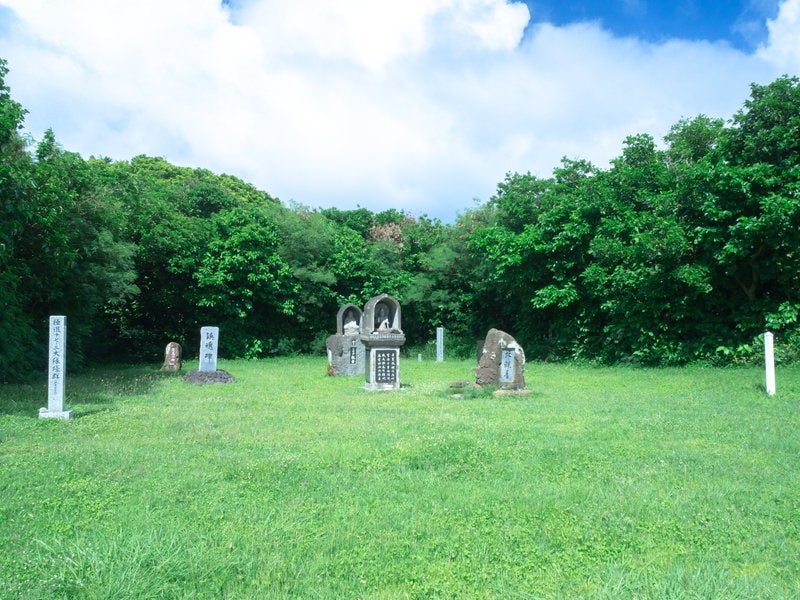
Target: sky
{"type": "Point", "coordinates": [418, 105]}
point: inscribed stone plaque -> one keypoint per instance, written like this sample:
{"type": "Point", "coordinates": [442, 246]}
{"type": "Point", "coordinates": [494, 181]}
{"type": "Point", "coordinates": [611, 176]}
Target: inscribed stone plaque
{"type": "Point", "coordinates": [507, 365]}
{"type": "Point", "coordinates": [385, 366]}
{"type": "Point", "coordinates": [209, 343]}
{"type": "Point", "coordinates": [439, 344]}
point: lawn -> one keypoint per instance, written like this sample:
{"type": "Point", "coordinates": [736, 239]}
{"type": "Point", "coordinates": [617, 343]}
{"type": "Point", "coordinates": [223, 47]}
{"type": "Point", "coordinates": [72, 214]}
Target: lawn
{"type": "Point", "coordinates": [601, 483]}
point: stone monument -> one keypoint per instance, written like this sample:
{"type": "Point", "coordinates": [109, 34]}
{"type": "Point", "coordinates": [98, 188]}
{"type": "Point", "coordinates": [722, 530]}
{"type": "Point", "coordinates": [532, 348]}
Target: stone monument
{"type": "Point", "coordinates": [502, 362]}
{"type": "Point", "coordinates": [56, 370]}
{"type": "Point", "coordinates": [172, 357]}
{"type": "Point", "coordinates": [382, 336]}
{"type": "Point", "coordinates": [208, 372]}
{"type": "Point", "coordinates": [209, 344]}
{"type": "Point", "coordinates": [345, 349]}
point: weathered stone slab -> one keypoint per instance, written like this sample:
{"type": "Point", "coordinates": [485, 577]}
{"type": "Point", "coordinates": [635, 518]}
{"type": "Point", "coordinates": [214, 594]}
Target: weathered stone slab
{"type": "Point", "coordinates": [502, 362]}
{"type": "Point", "coordinates": [345, 355]}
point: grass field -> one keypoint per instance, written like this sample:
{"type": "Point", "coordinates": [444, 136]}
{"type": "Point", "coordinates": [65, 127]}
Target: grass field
{"type": "Point", "coordinates": [602, 483]}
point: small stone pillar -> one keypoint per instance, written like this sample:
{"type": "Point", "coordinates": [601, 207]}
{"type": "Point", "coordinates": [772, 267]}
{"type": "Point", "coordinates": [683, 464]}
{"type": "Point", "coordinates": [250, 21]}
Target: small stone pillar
{"type": "Point", "coordinates": [382, 336]}
{"type": "Point", "coordinates": [345, 349]}
{"type": "Point", "coordinates": [172, 357]}
{"type": "Point", "coordinates": [439, 344]}
{"type": "Point", "coordinates": [56, 371]}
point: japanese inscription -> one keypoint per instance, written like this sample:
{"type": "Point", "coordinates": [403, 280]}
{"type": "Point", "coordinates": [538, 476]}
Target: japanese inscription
{"type": "Point", "coordinates": [385, 366]}
{"type": "Point", "coordinates": [57, 363]}
{"type": "Point", "coordinates": [507, 365]}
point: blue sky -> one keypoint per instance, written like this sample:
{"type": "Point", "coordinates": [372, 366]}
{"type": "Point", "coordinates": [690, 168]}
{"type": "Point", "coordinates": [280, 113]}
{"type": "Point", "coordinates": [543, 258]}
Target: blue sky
{"type": "Point", "coordinates": [742, 24]}
{"type": "Point", "coordinates": [420, 105]}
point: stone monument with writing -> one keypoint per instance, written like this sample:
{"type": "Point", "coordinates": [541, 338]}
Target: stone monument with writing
{"type": "Point", "coordinates": [501, 363]}
{"type": "Point", "coordinates": [345, 349]}
{"type": "Point", "coordinates": [208, 372]}
{"type": "Point", "coordinates": [382, 336]}
{"type": "Point", "coordinates": [172, 357]}
{"type": "Point", "coordinates": [209, 345]}
{"type": "Point", "coordinates": [56, 371]}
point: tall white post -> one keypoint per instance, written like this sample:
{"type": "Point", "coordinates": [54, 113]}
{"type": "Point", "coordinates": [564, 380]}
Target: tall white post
{"type": "Point", "coordinates": [439, 344]}
{"type": "Point", "coordinates": [56, 370]}
{"type": "Point", "coordinates": [769, 361]}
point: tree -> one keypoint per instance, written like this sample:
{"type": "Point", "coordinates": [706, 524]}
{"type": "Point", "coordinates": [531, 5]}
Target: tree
{"type": "Point", "coordinates": [20, 352]}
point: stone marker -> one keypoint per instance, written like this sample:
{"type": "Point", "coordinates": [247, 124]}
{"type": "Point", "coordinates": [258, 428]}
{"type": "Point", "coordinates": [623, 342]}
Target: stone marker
{"type": "Point", "coordinates": [56, 370]}
{"type": "Point", "coordinates": [345, 349]}
{"type": "Point", "coordinates": [172, 357]}
{"type": "Point", "coordinates": [209, 343]}
{"type": "Point", "coordinates": [382, 336]}
{"type": "Point", "coordinates": [208, 372]}
{"type": "Point", "coordinates": [502, 362]}
{"type": "Point", "coordinates": [769, 361]}
{"type": "Point", "coordinates": [439, 344]}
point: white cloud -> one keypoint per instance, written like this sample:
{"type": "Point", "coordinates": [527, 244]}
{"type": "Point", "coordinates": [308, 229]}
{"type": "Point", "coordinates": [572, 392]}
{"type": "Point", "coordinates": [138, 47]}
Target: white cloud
{"type": "Point", "coordinates": [421, 105]}
{"type": "Point", "coordinates": [783, 46]}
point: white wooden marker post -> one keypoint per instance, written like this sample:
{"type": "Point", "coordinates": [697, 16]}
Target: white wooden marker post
{"type": "Point", "coordinates": [769, 361]}
{"type": "Point", "coordinates": [56, 370]}
{"type": "Point", "coordinates": [439, 344]}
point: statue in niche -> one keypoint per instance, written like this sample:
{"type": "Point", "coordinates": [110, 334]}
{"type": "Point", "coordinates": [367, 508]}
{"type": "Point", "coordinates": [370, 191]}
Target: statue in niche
{"type": "Point", "coordinates": [382, 317]}
{"type": "Point", "coordinates": [351, 324]}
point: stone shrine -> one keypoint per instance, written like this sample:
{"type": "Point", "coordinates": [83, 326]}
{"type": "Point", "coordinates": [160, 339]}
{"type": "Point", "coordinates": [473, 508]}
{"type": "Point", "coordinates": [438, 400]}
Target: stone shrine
{"type": "Point", "coordinates": [172, 357]}
{"type": "Point", "coordinates": [502, 362]}
{"type": "Point", "coordinates": [345, 349]}
{"type": "Point", "coordinates": [382, 336]}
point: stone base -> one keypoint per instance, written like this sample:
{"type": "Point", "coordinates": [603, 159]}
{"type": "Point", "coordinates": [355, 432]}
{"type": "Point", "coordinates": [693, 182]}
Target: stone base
{"type": "Point", "coordinates": [381, 387]}
{"type": "Point", "coordinates": [54, 414]}
{"type": "Point", "coordinates": [510, 392]}
{"type": "Point", "coordinates": [203, 377]}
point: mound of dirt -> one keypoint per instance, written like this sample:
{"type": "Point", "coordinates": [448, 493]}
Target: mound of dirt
{"type": "Point", "coordinates": [203, 377]}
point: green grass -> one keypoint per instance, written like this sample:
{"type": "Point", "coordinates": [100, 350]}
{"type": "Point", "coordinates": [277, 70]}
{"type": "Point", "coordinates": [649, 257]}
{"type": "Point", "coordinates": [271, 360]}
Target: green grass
{"type": "Point", "coordinates": [602, 483]}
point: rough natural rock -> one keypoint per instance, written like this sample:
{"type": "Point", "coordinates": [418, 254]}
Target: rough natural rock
{"type": "Point", "coordinates": [491, 371]}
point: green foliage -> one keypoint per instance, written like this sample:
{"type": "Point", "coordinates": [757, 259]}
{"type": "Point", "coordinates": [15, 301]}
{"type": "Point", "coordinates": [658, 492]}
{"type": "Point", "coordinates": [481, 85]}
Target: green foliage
{"type": "Point", "coordinates": [663, 259]}
{"type": "Point", "coordinates": [17, 209]}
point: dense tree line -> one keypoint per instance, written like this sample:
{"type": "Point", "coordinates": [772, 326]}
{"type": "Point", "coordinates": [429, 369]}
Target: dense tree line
{"type": "Point", "coordinates": [674, 254]}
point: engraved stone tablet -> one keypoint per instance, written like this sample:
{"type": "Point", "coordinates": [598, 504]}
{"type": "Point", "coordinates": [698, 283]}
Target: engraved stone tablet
{"type": "Point", "coordinates": [507, 365]}
{"type": "Point", "coordinates": [56, 369]}
{"type": "Point", "coordinates": [209, 343]}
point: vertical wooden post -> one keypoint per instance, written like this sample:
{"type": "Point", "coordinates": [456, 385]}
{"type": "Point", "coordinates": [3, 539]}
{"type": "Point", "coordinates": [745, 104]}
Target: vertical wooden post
{"type": "Point", "coordinates": [769, 361]}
